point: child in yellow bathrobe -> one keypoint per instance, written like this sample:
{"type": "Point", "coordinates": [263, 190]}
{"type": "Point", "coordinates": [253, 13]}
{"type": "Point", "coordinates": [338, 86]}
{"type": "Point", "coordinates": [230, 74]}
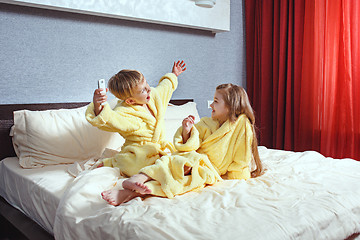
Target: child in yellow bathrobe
{"type": "Point", "coordinates": [222, 146]}
{"type": "Point", "coordinates": [138, 117]}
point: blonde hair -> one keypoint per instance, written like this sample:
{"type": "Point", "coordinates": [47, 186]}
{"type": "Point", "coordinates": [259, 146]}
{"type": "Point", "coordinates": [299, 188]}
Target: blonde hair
{"type": "Point", "coordinates": [237, 101]}
{"type": "Point", "coordinates": [122, 83]}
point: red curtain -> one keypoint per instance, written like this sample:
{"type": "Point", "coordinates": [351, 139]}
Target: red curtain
{"type": "Point", "coordinates": [303, 74]}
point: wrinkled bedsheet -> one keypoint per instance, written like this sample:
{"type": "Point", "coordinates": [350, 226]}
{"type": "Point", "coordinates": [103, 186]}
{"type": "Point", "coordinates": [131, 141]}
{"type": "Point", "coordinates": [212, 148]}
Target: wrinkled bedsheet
{"type": "Point", "coordinates": [302, 195]}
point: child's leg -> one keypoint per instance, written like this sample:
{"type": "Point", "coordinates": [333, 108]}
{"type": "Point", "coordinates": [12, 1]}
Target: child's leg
{"type": "Point", "coordinates": [117, 197]}
{"type": "Point", "coordinates": [136, 183]}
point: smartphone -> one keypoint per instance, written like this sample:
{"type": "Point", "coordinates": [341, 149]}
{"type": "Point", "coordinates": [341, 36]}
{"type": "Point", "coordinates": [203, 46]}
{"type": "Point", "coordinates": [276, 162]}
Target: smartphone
{"type": "Point", "coordinates": [101, 85]}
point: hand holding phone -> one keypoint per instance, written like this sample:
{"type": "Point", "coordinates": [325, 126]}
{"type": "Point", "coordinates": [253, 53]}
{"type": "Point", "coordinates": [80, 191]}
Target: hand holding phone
{"type": "Point", "coordinates": [101, 85]}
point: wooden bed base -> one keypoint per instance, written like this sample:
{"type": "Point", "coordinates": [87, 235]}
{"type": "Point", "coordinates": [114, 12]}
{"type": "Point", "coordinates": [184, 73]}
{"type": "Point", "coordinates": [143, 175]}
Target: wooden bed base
{"type": "Point", "coordinates": [23, 224]}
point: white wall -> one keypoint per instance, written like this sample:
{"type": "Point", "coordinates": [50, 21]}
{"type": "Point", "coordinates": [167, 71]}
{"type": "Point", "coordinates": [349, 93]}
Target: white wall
{"type": "Point", "coordinates": [53, 56]}
{"type": "Point", "coordinates": [168, 12]}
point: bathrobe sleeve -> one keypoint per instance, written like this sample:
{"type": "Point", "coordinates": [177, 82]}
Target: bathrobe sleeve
{"type": "Point", "coordinates": [192, 144]}
{"type": "Point", "coordinates": [117, 120]}
{"type": "Point", "coordinates": [239, 168]}
{"type": "Point", "coordinates": [167, 85]}
{"type": "Point", "coordinates": [199, 132]}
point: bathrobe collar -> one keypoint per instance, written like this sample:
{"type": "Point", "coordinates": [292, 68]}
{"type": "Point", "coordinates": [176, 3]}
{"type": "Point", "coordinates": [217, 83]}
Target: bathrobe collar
{"type": "Point", "coordinates": [219, 132]}
{"type": "Point", "coordinates": [141, 112]}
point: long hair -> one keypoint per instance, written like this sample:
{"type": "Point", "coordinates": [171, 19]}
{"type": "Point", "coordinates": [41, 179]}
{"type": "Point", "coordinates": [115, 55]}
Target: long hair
{"type": "Point", "coordinates": [237, 101]}
{"type": "Point", "coordinates": [123, 83]}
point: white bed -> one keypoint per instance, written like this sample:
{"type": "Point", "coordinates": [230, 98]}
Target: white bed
{"type": "Point", "coordinates": [35, 192]}
{"type": "Point", "coordinates": [301, 196]}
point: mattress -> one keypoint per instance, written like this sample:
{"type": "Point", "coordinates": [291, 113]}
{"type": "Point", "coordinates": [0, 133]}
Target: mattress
{"type": "Point", "coordinates": [302, 195]}
{"type": "Point", "coordinates": [35, 192]}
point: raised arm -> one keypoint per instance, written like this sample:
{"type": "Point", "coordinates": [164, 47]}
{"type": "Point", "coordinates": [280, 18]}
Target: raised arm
{"type": "Point", "coordinates": [169, 82]}
{"type": "Point", "coordinates": [179, 67]}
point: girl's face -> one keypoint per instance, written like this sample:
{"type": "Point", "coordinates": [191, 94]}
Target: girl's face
{"type": "Point", "coordinates": [141, 94]}
{"type": "Point", "coordinates": [220, 111]}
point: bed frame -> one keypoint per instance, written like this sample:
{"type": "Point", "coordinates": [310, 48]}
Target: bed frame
{"type": "Point", "coordinates": [18, 224]}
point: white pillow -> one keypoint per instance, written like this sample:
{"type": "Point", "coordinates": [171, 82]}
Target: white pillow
{"type": "Point", "coordinates": [175, 115]}
{"type": "Point", "coordinates": [59, 136]}
{"type": "Point", "coordinates": [64, 136]}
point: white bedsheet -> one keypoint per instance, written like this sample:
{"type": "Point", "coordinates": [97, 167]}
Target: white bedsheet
{"type": "Point", "coordinates": [35, 192]}
{"type": "Point", "coordinates": [300, 196]}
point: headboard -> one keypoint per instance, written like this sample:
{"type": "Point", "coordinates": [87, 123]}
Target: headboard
{"type": "Point", "coordinates": [7, 119]}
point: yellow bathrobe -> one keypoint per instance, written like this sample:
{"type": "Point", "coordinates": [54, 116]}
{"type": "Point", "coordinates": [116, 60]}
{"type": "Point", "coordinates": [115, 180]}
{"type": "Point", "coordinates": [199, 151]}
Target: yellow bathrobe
{"type": "Point", "coordinates": [212, 152]}
{"type": "Point", "coordinates": [143, 133]}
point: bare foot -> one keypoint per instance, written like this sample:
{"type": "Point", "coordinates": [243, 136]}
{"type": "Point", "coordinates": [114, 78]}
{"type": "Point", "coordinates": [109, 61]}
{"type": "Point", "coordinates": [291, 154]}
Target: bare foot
{"type": "Point", "coordinates": [136, 183]}
{"type": "Point", "coordinates": [117, 197]}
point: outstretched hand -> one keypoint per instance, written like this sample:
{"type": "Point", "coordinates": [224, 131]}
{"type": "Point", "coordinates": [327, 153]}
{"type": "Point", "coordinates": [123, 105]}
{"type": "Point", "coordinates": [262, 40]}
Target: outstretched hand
{"type": "Point", "coordinates": [179, 67]}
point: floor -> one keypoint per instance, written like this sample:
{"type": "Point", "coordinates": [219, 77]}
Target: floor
{"type": "Point", "coordinates": [9, 232]}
